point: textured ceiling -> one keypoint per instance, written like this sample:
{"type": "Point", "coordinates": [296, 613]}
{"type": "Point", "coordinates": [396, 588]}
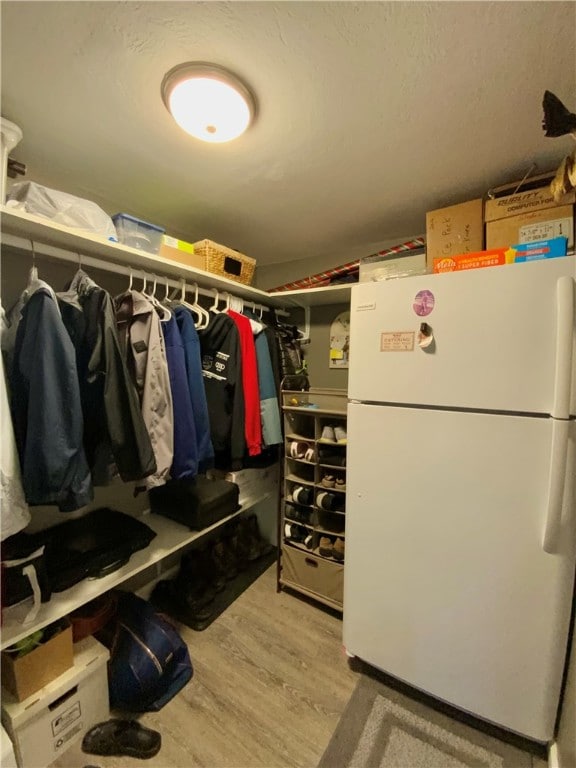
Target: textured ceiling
{"type": "Point", "coordinates": [369, 113]}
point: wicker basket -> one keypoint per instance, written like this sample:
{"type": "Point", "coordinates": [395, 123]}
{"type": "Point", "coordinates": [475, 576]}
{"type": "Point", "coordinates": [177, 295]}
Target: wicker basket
{"type": "Point", "coordinates": [226, 262]}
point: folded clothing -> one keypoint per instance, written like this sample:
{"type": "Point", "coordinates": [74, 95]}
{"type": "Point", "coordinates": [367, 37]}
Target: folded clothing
{"type": "Point", "coordinates": [90, 546]}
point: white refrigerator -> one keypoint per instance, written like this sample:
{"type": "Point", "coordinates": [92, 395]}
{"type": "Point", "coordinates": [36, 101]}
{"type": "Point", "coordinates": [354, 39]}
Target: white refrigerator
{"type": "Point", "coordinates": [461, 477]}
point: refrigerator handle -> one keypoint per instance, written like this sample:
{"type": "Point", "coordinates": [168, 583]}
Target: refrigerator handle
{"type": "Point", "coordinates": [564, 331]}
{"type": "Point", "coordinates": [556, 483]}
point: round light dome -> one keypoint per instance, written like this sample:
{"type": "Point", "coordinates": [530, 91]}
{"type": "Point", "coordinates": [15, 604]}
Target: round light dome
{"type": "Point", "coordinates": [207, 101]}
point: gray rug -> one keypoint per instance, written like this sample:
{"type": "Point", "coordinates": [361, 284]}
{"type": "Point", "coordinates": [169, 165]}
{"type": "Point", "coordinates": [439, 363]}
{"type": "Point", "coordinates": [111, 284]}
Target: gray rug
{"type": "Point", "coordinates": [382, 728]}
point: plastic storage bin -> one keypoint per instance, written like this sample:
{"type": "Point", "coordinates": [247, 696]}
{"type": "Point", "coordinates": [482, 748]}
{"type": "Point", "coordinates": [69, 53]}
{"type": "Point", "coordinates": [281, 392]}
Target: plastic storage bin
{"type": "Point", "coordinates": [137, 233]}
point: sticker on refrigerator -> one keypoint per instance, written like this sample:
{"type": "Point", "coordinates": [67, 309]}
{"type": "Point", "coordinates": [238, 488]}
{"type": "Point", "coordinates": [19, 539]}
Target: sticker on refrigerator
{"type": "Point", "coordinates": [423, 303]}
{"type": "Point", "coordinates": [397, 341]}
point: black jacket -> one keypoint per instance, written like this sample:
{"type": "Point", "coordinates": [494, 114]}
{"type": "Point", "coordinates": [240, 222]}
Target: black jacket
{"type": "Point", "coordinates": [113, 423]}
{"type": "Point", "coordinates": [222, 372]}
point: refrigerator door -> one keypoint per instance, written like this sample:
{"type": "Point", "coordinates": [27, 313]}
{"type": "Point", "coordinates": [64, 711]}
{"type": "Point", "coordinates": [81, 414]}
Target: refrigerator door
{"type": "Point", "coordinates": [502, 339]}
{"type": "Point", "coordinates": [447, 585]}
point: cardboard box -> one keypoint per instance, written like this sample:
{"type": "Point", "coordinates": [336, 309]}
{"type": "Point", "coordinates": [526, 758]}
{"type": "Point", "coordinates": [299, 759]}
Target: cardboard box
{"type": "Point", "coordinates": [25, 675]}
{"type": "Point", "coordinates": [375, 268]}
{"type": "Point", "coordinates": [181, 251]}
{"type": "Point", "coordinates": [48, 723]}
{"type": "Point", "coordinates": [522, 202]}
{"type": "Point", "coordinates": [544, 224]}
{"type": "Point", "coordinates": [492, 258]}
{"type": "Point", "coordinates": [455, 230]}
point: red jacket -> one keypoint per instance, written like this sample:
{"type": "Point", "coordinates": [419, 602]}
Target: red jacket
{"type": "Point", "coordinates": [252, 423]}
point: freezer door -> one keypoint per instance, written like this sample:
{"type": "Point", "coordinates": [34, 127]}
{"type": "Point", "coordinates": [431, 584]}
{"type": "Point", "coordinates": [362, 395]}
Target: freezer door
{"type": "Point", "coordinates": [501, 338]}
{"type": "Point", "coordinates": [446, 583]}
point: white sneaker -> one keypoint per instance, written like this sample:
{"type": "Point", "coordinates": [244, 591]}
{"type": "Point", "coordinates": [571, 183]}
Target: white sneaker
{"type": "Point", "coordinates": [328, 435]}
{"type": "Point", "coordinates": [340, 434]}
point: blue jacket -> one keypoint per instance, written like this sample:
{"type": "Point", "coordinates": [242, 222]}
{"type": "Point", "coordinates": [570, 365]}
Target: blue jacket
{"type": "Point", "coordinates": [46, 409]}
{"type": "Point", "coordinates": [193, 359]}
{"type": "Point", "coordinates": [269, 409]}
{"type": "Point", "coordinates": [185, 461]}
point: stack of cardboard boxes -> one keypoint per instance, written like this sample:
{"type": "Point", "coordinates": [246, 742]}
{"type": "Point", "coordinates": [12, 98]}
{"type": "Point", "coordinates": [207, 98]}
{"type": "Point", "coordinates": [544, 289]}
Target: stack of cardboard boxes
{"type": "Point", "coordinates": [516, 224]}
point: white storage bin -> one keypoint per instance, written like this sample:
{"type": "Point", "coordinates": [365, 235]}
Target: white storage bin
{"type": "Point", "coordinates": [46, 724]}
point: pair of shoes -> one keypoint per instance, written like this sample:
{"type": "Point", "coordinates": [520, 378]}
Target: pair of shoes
{"type": "Point", "coordinates": [198, 578]}
{"type": "Point", "coordinates": [329, 548]}
{"type": "Point", "coordinates": [296, 533]}
{"type": "Point", "coordinates": [122, 737]}
{"type": "Point", "coordinates": [335, 434]}
{"type": "Point", "coordinates": [338, 550]}
{"type": "Point", "coordinates": [327, 501]}
{"type": "Point", "coordinates": [302, 495]}
{"type": "Point", "coordinates": [329, 456]}
{"type": "Point", "coordinates": [301, 450]}
{"type": "Point", "coordinates": [297, 515]}
{"type": "Point", "coordinates": [328, 481]}
{"type": "Point", "coordinates": [256, 545]}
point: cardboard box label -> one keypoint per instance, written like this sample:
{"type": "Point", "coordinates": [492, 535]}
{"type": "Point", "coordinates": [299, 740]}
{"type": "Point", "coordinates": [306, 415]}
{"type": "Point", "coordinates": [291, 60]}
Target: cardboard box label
{"type": "Point", "coordinates": [545, 230]}
{"type": "Point", "coordinates": [181, 245]}
{"type": "Point", "coordinates": [523, 202]}
{"type": "Point", "coordinates": [65, 738]}
{"type": "Point", "coordinates": [65, 719]}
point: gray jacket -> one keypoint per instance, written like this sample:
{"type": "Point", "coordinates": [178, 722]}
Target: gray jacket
{"type": "Point", "coordinates": [141, 339]}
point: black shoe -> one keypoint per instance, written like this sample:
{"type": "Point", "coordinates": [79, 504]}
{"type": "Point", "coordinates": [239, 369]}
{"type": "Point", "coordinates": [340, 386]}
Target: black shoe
{"type": "Point", "coordinates": [261, 545]}
{"type": "Point", "coordinates": [170, 598]}
{"type": "Point", "coordinates": [122, 737]}
{"type": "Point", "coordinates": [194, 578]}
{"type": "Point", "coordinates": [239, 546]}
{"type": "Point", "coordinates": [226, 559]}
{"type": "Point", "coordinates": [218, 571]}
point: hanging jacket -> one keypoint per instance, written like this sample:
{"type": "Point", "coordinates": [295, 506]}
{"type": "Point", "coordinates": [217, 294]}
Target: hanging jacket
{"type": "Point", "coordinates": [222, 372]}
{"type": "Point", "coordinates": [193, 360]}
{"type": "Point", "coordinates": [252, 423]}
{"type": "Point", "coordinates": [47, 410]}
{"type": "Point", "coordinates": [273, 348]}
{"type": "Point", "coordinates": [269, 409]}
{"type": "Point", "coordinates": [142, 342]}
{"type": "Point", "coordinates": [113, 423]}
{"type": "Point", "coordinates": [15, 514]}
{"type": "Point", "coordinates": [185, 461]}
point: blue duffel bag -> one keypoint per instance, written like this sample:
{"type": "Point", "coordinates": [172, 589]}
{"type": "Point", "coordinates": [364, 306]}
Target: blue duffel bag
{"type": "Point", "coordinates": [149, 661]}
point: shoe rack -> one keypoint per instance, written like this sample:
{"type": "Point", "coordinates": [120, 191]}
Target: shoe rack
{"type": "Point", "coordinates": [312, 517]}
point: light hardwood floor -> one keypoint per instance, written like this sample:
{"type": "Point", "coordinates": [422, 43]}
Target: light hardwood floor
{"type": "Point", "coordinates": [270, 682]}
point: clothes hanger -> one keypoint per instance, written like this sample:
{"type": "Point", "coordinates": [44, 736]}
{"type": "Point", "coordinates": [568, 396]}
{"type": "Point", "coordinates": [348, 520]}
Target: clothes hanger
{"type": "Point", "coordinates": [196, 309]}
{"type": "Point", "coordinates": [163, 311]}
{"type": "Point", "coordinates": [203, 314]}
{"type": "Point", "coordinates": [214, 307]}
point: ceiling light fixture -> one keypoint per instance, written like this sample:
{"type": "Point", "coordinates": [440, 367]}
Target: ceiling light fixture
{"type": "Point", "coordinates": [207, 101]}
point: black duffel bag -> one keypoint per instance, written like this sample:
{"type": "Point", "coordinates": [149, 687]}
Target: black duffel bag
{"type": "Point", "coordinates": [196, 503]}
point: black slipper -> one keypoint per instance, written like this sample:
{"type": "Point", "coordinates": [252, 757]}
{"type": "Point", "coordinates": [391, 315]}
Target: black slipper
{"type": "Point", "coordinates": [122, 737]}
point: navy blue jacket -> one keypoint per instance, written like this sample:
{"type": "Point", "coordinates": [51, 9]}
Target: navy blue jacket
{"type": "Point", "coordinates": [46, 409]}
{"type": "Point", "coordinates": [185, 461]}
{"type": "Point", "coordinates": [193, 359]}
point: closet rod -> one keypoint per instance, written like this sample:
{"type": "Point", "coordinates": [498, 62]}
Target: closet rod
{"type": "Point", "coordinates": [50, 252]}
